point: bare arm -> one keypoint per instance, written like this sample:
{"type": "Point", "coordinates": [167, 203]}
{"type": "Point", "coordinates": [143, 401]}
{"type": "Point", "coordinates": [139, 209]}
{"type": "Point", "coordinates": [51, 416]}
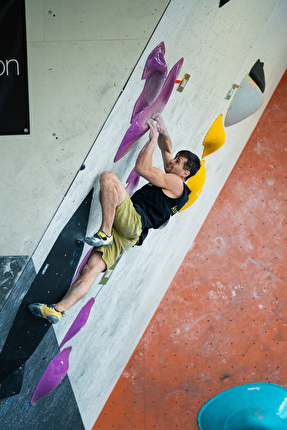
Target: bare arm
{"type": "Point", "coordinates": [164, 140]}
{"type": "Point", "coordinates": [169, 182]}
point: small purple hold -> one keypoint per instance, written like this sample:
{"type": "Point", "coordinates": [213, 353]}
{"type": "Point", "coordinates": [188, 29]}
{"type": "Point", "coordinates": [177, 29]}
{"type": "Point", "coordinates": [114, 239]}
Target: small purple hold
{"type": "Point", "coordinates": [132, 182]}
{"type": "Point", "coordinates": [53, 375]}
{"type": "Point", "coordinates": [79, 321]}
{"type": "Point", "coordinates": [84, 261]}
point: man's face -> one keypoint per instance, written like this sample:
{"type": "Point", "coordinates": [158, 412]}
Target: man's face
{"type": "Point", "coordinates": [175, 166]}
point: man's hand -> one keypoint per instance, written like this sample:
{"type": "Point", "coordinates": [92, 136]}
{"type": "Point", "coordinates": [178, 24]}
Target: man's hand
{"type": "Point", "coordinates": [164, 141]}
{"type": "Point", "coordinates": [153, 128]}
{"type": "Point", "coordinates": [160, 123]}
{"type": "Point", "coordinates": [170, 183]}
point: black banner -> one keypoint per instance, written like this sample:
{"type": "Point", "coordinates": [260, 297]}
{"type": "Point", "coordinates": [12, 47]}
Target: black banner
{"type": "Point", "coordinates": [14, 102]}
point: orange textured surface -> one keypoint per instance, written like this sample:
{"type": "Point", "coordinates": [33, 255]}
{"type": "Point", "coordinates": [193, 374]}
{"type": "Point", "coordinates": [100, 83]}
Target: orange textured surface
{"type": "Point", "coordinates": [222, 321]}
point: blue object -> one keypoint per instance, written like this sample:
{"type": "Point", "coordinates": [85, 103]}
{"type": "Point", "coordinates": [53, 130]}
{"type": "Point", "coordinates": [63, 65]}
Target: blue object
{"type": "Point", "coordinates": [257, 406]}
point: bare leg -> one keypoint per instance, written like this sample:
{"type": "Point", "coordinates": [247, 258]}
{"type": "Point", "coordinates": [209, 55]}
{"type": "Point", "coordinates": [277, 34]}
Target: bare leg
{"type": "Point", "coordinates": [112, 194]}
{"type": "Point", "coordinates": [95, 265]}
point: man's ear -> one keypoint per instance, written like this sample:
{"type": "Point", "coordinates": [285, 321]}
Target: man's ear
{"type": "Point", "coordinates": [186, 173]}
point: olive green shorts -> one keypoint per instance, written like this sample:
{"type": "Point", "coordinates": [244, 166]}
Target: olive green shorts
{"type": "Point", "coordinates": [126, 231]}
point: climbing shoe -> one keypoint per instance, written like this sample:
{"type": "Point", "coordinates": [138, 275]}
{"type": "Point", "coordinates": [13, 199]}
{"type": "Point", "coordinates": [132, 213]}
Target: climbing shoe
{"type": "Point", "coordinates": [99, 239]}
{"type": "Point", "coordinates": [46, 311]}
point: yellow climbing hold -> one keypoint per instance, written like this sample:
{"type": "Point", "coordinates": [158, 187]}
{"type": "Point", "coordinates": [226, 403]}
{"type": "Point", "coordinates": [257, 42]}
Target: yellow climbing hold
{"type": "Point", "coordinates": [195, 184]}
{"type": "Point", "coordinates": [214, 138]}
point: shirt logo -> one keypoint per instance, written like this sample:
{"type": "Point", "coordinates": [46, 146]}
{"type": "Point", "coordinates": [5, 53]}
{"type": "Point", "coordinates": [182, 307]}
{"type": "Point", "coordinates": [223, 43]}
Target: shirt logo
{"type": "Point", "coordinates": [174, 209]}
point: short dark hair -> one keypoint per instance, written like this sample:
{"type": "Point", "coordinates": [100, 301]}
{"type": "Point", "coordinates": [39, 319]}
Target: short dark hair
{"type": "Point", "coordinates": [192, 163]}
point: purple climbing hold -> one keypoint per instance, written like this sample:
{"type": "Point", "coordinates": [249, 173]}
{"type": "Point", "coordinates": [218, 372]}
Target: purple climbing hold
{"type": "Point", "coordinates": [154, 74]}
{"type": "Point", "coordinates": [132, 182]}
{"type": "Point", "coordinates": [79, 321]}
{"type": "Point", "coordinates": [84, 261]}
{"type": "Point", "coordinates": [134, 133]}
{"type": "Point", "coordinates": [160, 102]}
{"type": "Point", "coordinates": [53, 375]}
{"type": "Point", "coordinates": [139, 127]}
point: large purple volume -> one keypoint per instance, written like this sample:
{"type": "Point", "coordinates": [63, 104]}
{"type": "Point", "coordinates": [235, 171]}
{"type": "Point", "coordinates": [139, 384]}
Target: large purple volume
{"type": "Point", "coordinates": [154, 74]}
{"type": "Point", "coordinates": [53, 375]}
{"type": "Point", "coordinates": [139, 126]}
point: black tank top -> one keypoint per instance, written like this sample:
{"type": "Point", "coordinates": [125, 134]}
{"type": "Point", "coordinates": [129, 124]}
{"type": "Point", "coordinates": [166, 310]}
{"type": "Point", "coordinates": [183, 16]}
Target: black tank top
{"type": "Point", "coordinates": [155, 208]}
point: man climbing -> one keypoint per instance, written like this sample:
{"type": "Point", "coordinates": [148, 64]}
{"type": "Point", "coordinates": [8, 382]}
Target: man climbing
{"type": "Point", "coordinates": [125, 220]}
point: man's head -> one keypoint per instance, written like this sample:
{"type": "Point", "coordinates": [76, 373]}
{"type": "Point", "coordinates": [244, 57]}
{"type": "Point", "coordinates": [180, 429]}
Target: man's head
{"type": "Point", "coordinates": [185, 164]}
{"type": "Point", "coordinates": [192, 163]}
